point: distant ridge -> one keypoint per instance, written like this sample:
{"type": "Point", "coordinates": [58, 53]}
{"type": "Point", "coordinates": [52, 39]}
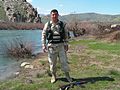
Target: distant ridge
{"type": "Point", "coordinates": [94, 17]}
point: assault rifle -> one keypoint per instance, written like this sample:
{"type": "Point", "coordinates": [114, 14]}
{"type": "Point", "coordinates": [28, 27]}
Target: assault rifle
{"type": "Point", "coordinates": [71, 85]}
{"type": "Point", "coordinates": [81, 82]}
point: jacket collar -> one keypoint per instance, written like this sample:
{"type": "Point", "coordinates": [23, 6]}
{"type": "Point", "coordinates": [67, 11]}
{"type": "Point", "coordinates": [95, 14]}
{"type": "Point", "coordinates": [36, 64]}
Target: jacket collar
{"type": "Point", "coordinates": [55, 23]}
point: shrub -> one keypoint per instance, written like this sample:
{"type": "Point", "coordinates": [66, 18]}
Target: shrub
{"type": "Point", "coordinates": [19, 49]}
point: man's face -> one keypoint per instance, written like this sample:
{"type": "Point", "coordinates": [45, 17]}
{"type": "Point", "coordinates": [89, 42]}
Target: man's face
{"type": "Point", "coordinates": [54, 16]}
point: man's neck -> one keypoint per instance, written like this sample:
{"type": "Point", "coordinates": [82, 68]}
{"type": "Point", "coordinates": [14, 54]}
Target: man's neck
{"type": "Point", "coordinates": [55, 21]}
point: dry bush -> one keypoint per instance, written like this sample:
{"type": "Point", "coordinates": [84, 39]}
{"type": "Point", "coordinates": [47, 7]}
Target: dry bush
{"type": "Point", "coordinates": [112, 37]}
{"type": "Point", "coordinates": [89, 28]}
{"type": "Point", "coordinates": [19, 49]}
{"type": "Point", "coordinates": [74, 26]}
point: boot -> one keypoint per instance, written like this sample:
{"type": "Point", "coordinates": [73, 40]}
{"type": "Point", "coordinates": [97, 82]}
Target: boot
{"type": "Point", "coordinates": [53, 78]}
{"type": "Point", "coordinates": [68, 77]}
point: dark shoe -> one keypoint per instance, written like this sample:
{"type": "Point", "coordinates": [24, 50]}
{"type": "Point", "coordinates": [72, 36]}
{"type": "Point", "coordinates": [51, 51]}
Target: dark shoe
{"type": "Point", "coordinates": [68, 77]}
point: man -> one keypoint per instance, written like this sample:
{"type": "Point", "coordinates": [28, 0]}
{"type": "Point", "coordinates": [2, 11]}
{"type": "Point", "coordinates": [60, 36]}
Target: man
{"type": "Point", "coordinates": [57, 37]}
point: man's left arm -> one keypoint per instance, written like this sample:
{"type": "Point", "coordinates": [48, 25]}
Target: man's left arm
{"type": "Point", "coordinates": [66, 38]}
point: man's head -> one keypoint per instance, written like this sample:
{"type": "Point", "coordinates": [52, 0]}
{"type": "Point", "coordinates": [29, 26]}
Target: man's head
{"type": "Point", "coordinates": [54, 15]}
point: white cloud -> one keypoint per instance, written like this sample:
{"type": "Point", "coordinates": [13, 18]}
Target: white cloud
{"type": "Point", "coordinates": [43, 11]}
{"type": "Point", "coordinates": [29, 1]}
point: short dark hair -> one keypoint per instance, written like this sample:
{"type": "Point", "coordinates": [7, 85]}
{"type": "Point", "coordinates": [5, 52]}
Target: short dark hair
{"type": "Point", "coordinates": [54, 10]}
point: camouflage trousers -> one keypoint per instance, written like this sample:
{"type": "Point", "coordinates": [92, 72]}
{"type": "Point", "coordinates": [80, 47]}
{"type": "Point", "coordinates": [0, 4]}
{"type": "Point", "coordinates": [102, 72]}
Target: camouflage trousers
{"type": "Point", "coordinates": [57, 51]}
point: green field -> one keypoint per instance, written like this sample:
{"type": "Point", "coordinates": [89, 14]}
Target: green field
{"type": "Point", "coordinates": [96, 62]}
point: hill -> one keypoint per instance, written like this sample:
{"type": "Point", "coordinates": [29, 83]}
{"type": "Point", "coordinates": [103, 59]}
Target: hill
{"type": "Point", "coordinates": [92, 17]}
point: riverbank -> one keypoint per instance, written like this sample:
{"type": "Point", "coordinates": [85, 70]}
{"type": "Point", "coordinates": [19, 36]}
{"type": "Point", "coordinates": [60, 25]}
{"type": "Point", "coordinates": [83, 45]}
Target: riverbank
{"type": "Point", "coordinates": [20, 26]}
{"type": "Point", "coordinates": [9, 70]}
{"type": "Point", "coordinates": [16, 71]}
{"type": "Point", "coordinates": [7, 38]}
{"type": "Point", "coordinates": [94, 61]}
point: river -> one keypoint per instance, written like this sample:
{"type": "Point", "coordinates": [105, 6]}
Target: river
{"type": "Point", "coordinates": [8, 66]}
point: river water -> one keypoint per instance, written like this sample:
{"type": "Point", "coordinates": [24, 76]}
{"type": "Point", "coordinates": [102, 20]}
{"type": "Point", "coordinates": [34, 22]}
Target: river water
{"type": "Point", "coordinates": [8, 66]}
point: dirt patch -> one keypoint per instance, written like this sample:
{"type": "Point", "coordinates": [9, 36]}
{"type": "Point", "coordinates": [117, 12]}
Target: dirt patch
{"type": "Point", "coordinates": [112, 37]}
{"type": "Point", "coordinates": [40, 69]}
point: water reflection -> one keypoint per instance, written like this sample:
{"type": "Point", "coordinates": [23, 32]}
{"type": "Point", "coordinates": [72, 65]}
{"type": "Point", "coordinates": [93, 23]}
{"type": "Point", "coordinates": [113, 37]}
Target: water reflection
{"type": "Point", "coordinates": [8, 65]}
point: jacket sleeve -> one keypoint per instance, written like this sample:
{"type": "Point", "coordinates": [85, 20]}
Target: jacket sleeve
{"type": "Point", "coordinates": [66, 35]}
{"type": "Point", "coordinates": [44, 34]}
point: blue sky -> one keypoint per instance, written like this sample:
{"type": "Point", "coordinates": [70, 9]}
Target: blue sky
{"type": "Point", "coordinates": [77, 6]}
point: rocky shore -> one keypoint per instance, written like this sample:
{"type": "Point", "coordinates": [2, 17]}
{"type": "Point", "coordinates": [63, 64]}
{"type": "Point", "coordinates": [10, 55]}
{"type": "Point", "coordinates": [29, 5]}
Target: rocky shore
{"type": "Point", "coordinates": [27, 68]}
{"type": "Point", "coordinates": [39, 67]}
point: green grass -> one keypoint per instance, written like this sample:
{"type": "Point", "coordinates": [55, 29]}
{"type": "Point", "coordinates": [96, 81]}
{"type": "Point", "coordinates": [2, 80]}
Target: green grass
{"type": "Point", "coordinates": [96, 63]}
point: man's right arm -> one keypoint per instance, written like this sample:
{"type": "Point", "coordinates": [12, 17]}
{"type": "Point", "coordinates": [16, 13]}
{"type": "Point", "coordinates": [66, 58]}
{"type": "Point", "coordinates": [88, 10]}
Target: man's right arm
{"type": "Point", "coordinates": [44, 37]}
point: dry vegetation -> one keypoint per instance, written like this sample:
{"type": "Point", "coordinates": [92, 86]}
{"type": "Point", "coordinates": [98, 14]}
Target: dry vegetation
{"type": "Point", "coordinates": [18, 49]}
{"type": "Point", "coordinates": [20, 26]}
{"type": "Point", "coordinates": [100, 30]}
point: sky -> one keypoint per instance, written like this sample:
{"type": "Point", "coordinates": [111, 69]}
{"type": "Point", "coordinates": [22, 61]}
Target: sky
{"type": "Point", "coordinates": [65, 7]}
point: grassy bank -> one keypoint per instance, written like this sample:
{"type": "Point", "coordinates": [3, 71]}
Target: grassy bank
{"type": "Point", "coordinates": [96, 62]}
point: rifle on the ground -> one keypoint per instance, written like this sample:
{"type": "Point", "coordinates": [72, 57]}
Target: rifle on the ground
{"type": "Point", "coordinates": [71, 85]}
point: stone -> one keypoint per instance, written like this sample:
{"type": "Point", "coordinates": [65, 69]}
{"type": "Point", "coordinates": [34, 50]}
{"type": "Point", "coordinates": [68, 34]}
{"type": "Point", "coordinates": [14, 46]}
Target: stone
{"type": "Point", "coordinates": [28, 67]}
{"type": "Point", "coordinates": [24, 64]}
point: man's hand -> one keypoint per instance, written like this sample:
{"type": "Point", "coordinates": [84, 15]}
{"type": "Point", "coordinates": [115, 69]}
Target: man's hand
{"type": "Point", "coordinates": [44, 48]}
{"type": "Point", "coordinates": [66, 47]}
